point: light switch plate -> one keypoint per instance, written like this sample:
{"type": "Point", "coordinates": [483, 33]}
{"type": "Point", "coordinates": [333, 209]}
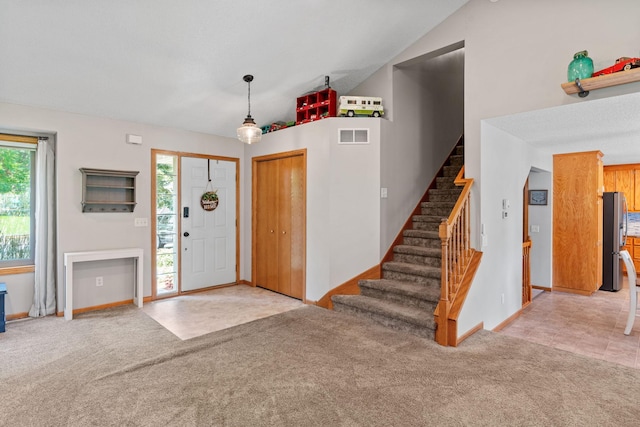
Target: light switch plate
{"type": "Point", "coordinates": [141, 222]}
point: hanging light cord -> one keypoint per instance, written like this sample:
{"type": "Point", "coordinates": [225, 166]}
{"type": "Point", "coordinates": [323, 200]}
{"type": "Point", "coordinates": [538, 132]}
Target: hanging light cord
{"type": "Point", "coordinates": [249, 98]}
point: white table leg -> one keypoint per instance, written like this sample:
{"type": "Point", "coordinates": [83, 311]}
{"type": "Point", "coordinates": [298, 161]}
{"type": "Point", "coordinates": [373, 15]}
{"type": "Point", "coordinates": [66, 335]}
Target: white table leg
{"type": "Point", "coordinates": [68, 291]}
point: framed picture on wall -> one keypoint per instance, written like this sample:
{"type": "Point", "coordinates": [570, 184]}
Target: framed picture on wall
{"type": "Point", "coordinates": [538, 197]}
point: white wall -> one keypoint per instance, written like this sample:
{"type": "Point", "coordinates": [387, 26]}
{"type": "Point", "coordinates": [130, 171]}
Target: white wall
{"type": "Point", "coordinates": [85, 141]}
{"type": "Point", "coordinates": [541, 241]}
{"type": "Point", "coordinates": [497, 291]}
{"type": "Point", "coordinates": [427, 109]}
{"type": "Point", "coordinates": [516, 57]}
{"type": "Point", "coordinates": [343, 199]}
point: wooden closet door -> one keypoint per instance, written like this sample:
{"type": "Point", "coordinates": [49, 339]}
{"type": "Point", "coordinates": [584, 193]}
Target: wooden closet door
{"type": "Point", "coordinates": [261, 226]}
{"type": "Point", "coordinates": [297, 221]}
{"type": "Point", "coordinates": [266, 222]}
{"type": "Point", "coordinates": [273, 194]}
{"type": "Point", "coordinates": [284, 226]}
{"type": "Point", "coordinates": [280, 225]}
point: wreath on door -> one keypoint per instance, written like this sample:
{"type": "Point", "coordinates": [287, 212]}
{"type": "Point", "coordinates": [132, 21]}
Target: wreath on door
{"type": "Point", "coordinates": [209, 200]}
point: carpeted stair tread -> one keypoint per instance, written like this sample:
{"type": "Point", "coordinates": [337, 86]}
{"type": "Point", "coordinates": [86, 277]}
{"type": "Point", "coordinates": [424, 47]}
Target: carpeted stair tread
{"type": "Point", "coordinates": [455, 191]}
{"type": "Point", "coordinates": [414, 269]}
{"type": "Point", "coordinates": [391, 310]}
{"type": "Point", "coordinates": [435, 219]}
{"type": "Point", "coordinates": [456, 159]}
{"type": "Point", "coordinates": [423, 234]}
{"type": "Point", "coordinates": [408, 289]}
{"type": "Point", "coordinates": [451, 171]}
{"type": "Point", "coordinates": [438, 204]}
{"type": "Point", "coordinates": [418, 250]}
{"type": "Point", "coordinates": [416, 254]}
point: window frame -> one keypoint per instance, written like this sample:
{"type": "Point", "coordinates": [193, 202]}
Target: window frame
{"type": "Point", "coordinates": [30, 143]}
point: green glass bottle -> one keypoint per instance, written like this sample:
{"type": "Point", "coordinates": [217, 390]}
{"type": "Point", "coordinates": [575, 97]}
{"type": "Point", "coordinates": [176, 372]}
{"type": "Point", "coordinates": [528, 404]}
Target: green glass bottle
{"type": "Point", "coordinates": [581, 67]}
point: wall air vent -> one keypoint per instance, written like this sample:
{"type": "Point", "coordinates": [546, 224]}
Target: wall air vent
{"type": "Point", "coordinates": [353, 136]}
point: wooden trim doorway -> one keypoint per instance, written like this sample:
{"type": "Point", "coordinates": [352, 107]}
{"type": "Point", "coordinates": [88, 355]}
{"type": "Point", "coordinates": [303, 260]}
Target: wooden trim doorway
{"type": "Point", "coordinates": [278, 222]}
{"type": "Point", "coordinates": [526, 248]}
{"type": "Point", "coordinates": [153, 223]}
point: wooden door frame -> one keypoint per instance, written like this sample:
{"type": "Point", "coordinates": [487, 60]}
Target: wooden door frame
{"type": "Point", "coordinates": [180, 155]}
{"type": "Point", "coordinates": [254, 201]}
{"type": "Point", "coordinates": [526, 238]}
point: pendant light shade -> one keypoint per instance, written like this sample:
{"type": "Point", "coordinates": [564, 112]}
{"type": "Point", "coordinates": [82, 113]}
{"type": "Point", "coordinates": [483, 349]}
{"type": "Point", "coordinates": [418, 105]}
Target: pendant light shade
{"type": "Point", "coordinates": [249, 132]}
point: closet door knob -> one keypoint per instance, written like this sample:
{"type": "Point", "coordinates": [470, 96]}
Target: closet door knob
{"type": "Point", "coordinates": [284, 232]}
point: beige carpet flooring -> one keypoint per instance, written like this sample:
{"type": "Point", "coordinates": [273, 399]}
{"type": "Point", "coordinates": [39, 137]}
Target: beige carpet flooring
{"type": "Point", "coordinates": [193, 315]}
{"type": "Point", "coordinates": [305, 367]}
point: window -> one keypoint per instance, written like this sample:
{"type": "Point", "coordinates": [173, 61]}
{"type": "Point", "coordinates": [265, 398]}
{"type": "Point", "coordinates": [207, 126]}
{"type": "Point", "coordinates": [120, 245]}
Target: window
{"type": "Point", "coordinates": [17, 200]}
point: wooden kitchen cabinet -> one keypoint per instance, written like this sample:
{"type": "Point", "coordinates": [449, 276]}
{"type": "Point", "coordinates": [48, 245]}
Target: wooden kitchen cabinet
{"type": "Point", "coordinates": [635, 255]}
{"type": "Point", "coordinates": [578, 181]}
{"type": "Point", "coordinates": [625, 183]}
{"type": "Point", "coordinates": [626, 179]}
{"type": "Point", "coordinates": [637, 190]}
{"type": "Point", "coordinates": [609, 179]}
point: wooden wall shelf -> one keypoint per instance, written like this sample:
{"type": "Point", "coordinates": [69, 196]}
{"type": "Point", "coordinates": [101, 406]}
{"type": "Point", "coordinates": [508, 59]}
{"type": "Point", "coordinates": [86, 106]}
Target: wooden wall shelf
{"type": "Point", "coordinates": [599, 82]}
{"type": "Point", "coordinates": [106, 190]}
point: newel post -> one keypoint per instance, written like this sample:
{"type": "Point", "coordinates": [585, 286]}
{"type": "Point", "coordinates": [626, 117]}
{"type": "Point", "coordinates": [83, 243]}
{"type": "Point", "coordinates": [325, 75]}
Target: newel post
{"type": "Point", "coordinates": [444, 305]}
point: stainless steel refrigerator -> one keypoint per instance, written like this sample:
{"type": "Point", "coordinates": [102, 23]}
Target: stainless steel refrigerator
{"type": "Point", "coordinates": [614, 236]}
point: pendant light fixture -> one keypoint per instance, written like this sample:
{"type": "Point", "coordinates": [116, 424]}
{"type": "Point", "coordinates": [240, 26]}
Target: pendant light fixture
{"type": "Point", "coordinates": [249, 132]}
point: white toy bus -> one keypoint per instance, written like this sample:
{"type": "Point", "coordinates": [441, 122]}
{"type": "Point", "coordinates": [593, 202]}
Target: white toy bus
{"type": "Point", "coordinates": [351, 106]}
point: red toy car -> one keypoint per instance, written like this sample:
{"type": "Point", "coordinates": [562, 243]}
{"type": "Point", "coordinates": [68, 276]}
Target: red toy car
{"type": "Point", "coordinates": [622, 64]}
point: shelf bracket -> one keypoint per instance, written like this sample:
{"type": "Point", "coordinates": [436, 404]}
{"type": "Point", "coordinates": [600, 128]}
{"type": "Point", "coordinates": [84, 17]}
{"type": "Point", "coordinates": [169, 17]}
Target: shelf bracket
{"type": "Point", "coordinates": [583, 93]}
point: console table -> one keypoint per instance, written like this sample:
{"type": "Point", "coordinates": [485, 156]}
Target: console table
{"type": "Point", "coordinates": [72, 257]}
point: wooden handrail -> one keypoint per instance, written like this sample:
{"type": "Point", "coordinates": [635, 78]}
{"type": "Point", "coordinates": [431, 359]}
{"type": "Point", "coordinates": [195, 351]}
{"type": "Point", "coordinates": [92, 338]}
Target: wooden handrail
{"type": "Point", "coordinates": [455, 236]}
{"type": "Point", "coordinates": [459, 181]}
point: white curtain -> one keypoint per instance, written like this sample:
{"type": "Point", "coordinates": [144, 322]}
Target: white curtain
{"type": "Point", "coordinates": [44, 297]}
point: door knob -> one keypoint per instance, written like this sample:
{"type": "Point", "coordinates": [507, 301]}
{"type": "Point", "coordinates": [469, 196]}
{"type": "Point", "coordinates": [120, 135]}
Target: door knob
{"type": "Point", "coordinates": [272, 231]}
{"type": "Point", "coordinates": [284, 232]}
{"type": "Point", "coordinates": [186, 234]}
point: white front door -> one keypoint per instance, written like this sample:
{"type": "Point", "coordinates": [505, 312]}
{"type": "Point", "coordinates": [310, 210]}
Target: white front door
{"type": "Point", "coordinates": [208, 241]}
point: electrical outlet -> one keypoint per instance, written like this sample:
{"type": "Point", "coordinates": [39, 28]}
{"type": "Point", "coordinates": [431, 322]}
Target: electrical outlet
{"type": "Point", "coordinates": [535, 228]}
{"type": "Point", "coordinates": [99, 281]}
{"type": "Point", "coordinates": [502, 298]}
{"type": "Point", "coordinates": [383, 193]}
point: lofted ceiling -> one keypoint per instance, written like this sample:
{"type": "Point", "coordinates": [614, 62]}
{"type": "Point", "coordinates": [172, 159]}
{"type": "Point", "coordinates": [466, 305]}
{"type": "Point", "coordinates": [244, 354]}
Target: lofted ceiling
{"type": "Point", "coordinates": [180, 63]}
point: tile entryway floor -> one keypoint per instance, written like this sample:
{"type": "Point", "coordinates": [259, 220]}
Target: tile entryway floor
{"type": "Point", "coordinates": [589, 325]}
{"type": "Point", "coordinates": [592, 326]}
{"type": "Point", "coordinates": [192, 315]}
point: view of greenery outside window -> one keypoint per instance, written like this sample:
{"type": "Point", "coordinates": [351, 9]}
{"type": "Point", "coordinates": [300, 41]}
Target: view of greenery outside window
{"type": "Point", "coordinates": [17, 204]}
{"type": "Point", "coordinates": [166, 224]}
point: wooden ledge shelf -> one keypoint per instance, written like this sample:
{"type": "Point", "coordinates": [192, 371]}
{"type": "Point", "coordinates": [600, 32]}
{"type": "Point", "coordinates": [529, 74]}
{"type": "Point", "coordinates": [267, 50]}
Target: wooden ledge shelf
{"type": "Point", "coordinates": [599, 82]}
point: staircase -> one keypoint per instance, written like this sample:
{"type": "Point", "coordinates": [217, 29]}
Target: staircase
{"type": "Point", "coordinates": [406, 296]}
